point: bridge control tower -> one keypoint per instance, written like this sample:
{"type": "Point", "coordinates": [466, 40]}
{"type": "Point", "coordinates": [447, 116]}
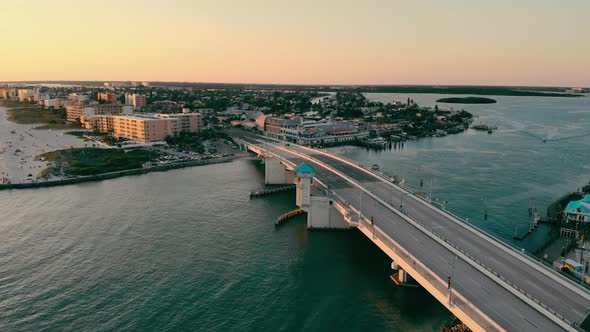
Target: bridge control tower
{"type": "Point", "coordinates": [304, 181]}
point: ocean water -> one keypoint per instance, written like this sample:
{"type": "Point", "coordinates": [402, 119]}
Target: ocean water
{"type": "Point", "coordinates": [505, 172]}
{"type": "Point", "coordinates": [187, 250]}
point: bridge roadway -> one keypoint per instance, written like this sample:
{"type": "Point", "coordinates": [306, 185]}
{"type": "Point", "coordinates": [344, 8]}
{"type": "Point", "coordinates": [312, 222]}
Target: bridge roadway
{"type": "Point", "coordinates": [493, 299]}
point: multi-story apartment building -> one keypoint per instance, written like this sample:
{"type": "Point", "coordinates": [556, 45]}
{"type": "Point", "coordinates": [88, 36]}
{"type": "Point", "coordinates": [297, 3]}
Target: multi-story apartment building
{"type": "Point", "coordinates": [27, 94]}
{"type": "Point", "coordinates": [75, 111]}
{"type": "Point", "coordinates": [112, 109]}
{"type": "Point", "coordinates": [143, 129]}
{"type": "Point", "coordinates": [77, 98]}
{"type": "Point", "coordinates": [132, 127]}
{"type": "Point", "coordinates": [79, 111]}
{"type": "Point", "coordinates": [109, 97]}
{"type": "Point", "coordinates": [189, 122]}
{"type": "Point", "coordinates": [55, 103]}
{"type": "Point", "coordinates": [138, 101]}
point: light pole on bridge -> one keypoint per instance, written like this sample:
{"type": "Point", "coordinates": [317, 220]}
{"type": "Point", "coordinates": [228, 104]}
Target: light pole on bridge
{"type": "Point", "coordinates": [450, 283]}
{"type": "Point", "coordinates": [401, 202]}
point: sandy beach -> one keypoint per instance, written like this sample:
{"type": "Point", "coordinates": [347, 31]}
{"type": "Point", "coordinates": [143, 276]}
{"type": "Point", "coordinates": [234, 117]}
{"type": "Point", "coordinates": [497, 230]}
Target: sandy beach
{"type": "Point", "coordinates": [20, 144]}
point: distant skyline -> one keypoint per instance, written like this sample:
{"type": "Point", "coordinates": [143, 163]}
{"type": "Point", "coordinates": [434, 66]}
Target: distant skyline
{"type": "Point", "coordinates": [378, 42]}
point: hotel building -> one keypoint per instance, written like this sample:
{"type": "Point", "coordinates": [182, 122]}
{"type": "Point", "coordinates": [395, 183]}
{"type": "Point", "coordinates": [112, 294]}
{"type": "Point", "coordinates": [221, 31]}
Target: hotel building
{"type": "Point", "coordinates": [78, 111]}
{"type": "Point", "coordinates": [143, 129]}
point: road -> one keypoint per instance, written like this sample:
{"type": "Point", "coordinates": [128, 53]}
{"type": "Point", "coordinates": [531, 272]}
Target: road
{"type": "Point", "coordinates": [495, 300]}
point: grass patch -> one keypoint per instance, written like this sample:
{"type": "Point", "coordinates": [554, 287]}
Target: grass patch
{"type": "Point", "coordinates": [90, 161]}
{"type": "Point", "coordinates": [15, 103]}
{"type": "Point", "coordinates": [36, 115]}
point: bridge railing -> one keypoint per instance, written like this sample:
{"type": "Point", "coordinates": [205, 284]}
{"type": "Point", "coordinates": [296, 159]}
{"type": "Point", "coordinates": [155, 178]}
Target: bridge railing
{"type": "Point", "coordinates": [521, 290]}
{"type": "Point", "coordinates": [432, 278]}
{"type": "Point", "coordinates": [478, 262]}
{"type": "Point", "coordinates": [433, 232]}
{"type": "Point", "coordinates": [520, 252]}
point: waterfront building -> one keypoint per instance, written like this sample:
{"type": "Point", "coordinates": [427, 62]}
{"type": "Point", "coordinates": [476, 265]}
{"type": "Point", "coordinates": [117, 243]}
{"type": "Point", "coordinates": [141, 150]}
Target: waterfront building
{"type": "Point", "coordinates": [329, 132]}
{"type": "Point", "coordinates": [189, 122]}
{"type": "Point", "coordinates": [75, 111]}
{"type": "Point", "coordinates": [135, 128]}
{"type": "Point", "coordinates": [27, 94]}
{"type": "Point", "coordinates": [55, 103]}
{"type": "Point", "coordinates": [578, 210]}
{"type": "Point", "coordinates": [312, 133]}
{"type": "Point", "coordinates": [144, 129]}
{"type": "Point", "coordinates": [79, 111]}
{"type": "Point", "coordinates": [273, 126]}
{"type": "Point", "coordinates": [8, 93]}
{"type": "Point", "coordinates": [112, 109]}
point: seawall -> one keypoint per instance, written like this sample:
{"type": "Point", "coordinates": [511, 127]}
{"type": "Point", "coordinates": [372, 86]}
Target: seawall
{"type": "Point", "coordinates": [112, 175]}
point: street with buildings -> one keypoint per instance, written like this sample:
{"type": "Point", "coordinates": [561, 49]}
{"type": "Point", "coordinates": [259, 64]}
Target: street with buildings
{"type": "Point", "coordinates": [116, 112]}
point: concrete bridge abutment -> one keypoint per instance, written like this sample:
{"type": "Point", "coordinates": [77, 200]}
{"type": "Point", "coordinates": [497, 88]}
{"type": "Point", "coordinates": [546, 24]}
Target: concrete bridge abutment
{"type": "Point", "coordinates": [322, 214]}
{"type": "Point", "coordinates": [275, 172]}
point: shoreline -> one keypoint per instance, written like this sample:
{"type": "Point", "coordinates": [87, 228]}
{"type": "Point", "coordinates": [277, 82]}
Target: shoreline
{"type": "Point", "coordinates": [114, 175]}
{"type": "Point", "coordinates": [20, 144]}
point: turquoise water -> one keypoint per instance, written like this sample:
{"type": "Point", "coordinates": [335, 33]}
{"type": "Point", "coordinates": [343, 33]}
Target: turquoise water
{"type": "Point", "coordinates": [505, 172]}
{"type": "Point", "coordinates": [188, 250]}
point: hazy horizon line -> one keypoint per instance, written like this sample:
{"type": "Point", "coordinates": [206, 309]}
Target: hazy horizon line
{"type": "Point", "coordinates": [304, 84]}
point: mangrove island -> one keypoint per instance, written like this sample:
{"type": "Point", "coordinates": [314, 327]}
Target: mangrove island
{"type": "Point", "coordinates": [467, 100]}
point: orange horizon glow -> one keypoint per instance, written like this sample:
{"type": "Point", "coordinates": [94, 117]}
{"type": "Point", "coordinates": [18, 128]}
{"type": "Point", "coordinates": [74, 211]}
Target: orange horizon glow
{"type": "Point", "coordinates": [456, 42]}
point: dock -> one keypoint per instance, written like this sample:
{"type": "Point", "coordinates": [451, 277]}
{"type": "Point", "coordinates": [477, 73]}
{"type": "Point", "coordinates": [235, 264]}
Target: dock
{"type": "Point", "coordinates": [265, 192]}
{"type": "Point", "coordinates": [288, 215]}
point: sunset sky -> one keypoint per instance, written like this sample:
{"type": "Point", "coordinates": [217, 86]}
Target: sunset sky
{"type": "Point", "coordinates": [500, 42]}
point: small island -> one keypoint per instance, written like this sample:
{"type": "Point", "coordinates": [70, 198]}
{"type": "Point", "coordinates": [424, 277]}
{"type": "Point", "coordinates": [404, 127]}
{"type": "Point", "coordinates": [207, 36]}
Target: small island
{"type": "Point", "coordinates": [467, 100]}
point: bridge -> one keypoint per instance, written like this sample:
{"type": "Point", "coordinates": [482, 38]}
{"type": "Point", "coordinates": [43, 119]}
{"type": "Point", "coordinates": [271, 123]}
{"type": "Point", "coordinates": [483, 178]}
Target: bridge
{"type": "Point", "coordinates": [488, 284]}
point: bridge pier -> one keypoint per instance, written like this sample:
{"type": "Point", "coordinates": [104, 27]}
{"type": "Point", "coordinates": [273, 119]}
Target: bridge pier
{"type": "Point", "coordinates": [275, 172]}
{"type": "Point", "coordinates": [323, 215]}
{"type": "Point", "coordinates": [401, 277]}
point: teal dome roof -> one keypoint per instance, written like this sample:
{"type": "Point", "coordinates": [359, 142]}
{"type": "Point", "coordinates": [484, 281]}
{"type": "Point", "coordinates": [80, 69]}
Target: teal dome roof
{"type": "Point", "coordinates": [582, 205]}
{"type": "Point", "coordinates": [304, 169]}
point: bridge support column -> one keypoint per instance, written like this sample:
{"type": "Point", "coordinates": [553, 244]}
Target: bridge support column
{"type": "Point", "coordinates": [275, 172]}
{"type": "Point", "coordinates": [401, 277]}
{"type": "Point", "coordinates": [323, 215]}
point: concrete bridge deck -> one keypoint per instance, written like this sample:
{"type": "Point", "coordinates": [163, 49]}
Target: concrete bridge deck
{"type": "Point", "coordinates": [490, 279]}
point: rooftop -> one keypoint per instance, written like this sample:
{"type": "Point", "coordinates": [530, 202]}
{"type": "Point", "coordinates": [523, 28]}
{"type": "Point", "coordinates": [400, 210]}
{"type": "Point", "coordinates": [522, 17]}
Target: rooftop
{"type": "Point", "coordinates": [304, 169]}
{"type": "Point", "coordinates": [582, 205]}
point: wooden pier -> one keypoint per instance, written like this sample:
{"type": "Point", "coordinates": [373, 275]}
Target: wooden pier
{"type": "Point", "coordinates": [265, 192]}
{"type": "Point", "coordinates": [288, 215]}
